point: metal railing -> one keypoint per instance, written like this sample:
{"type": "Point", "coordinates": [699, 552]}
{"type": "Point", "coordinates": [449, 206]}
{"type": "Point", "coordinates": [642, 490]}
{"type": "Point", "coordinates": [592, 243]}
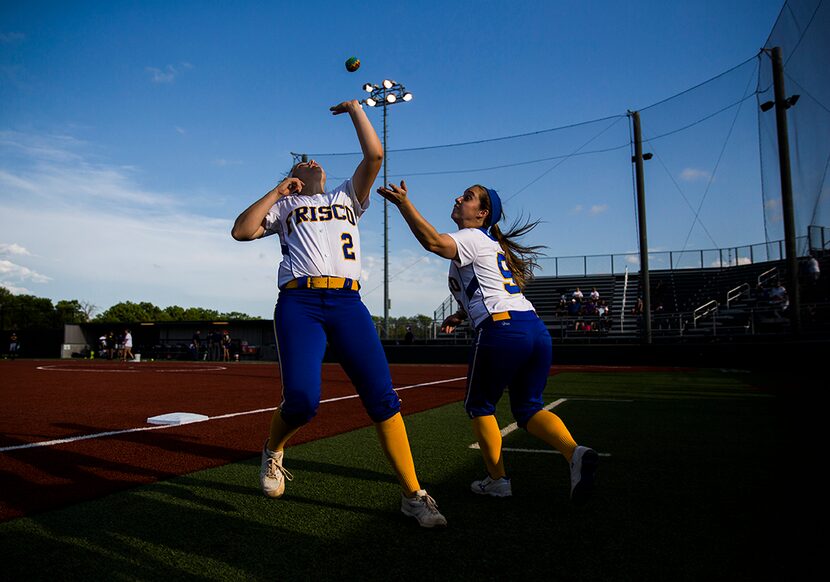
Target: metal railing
{"type": "Point", "coordinates": [736, 293]}
{"type": "Point", "coordinates": [704, 310]}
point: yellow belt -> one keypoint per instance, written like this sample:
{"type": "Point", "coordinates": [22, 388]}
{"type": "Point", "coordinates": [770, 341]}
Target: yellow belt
{"type": "Point", "coordinates": [500, 316]}
{"type": "Point", "coordinates": [322, 283]}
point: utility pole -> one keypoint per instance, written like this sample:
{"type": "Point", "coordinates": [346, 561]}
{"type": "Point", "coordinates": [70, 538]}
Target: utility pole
{"type": "Point", "coordinates": [637, 159]}
{"type": "Point", "coordinates": [781, 104]}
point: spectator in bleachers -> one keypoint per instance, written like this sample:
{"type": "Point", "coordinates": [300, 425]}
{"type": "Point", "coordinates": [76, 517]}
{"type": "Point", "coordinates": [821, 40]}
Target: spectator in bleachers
{"type": "Point", "coordinates": [761, 292]}
{"type": "Point", "coordinates": [660, 317]}
{"type": "Point", "coordinates": [604, 316]}
{"type": "Point", "coordinates": [638, 307]}
{"type": "Point", "coordinates": [638, 311]}
{"type": "Point", "coordinates": [577, 295]}
{"type": "Point", "coordinates": [594, 295]}
{"type": "Point", "coordinates": [779, 299]}
{"type": "Point", "coordinates": [812, 270]}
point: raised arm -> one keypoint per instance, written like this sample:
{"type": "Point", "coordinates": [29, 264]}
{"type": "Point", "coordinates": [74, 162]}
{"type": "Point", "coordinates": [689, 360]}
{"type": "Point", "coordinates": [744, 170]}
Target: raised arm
{"type": "Point", "coordinates": [250, 225]}
{"type": "Point", "coordinates": [366, 172]}
{"type": "Point", "coordinates": [442, 245]}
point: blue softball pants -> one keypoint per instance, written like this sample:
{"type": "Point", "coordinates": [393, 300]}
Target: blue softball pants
{"type": "Point", "coordinates": [304, 321]}
{"type": "Point", "coordinates": [516, 354]}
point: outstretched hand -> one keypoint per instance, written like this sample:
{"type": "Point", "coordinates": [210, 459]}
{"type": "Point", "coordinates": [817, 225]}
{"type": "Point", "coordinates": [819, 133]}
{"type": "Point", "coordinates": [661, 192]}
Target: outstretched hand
{"type": "Point", "coordinates": [345, 107]}
{"type": "Point", "coordinates": [394, 194]}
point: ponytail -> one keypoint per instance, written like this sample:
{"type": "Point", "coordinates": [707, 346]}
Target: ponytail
{"type": "Point", "coordinates": [521, 259]}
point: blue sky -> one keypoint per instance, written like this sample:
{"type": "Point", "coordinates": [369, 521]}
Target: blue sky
{"type": "Point", "coordinates": [133, 133]}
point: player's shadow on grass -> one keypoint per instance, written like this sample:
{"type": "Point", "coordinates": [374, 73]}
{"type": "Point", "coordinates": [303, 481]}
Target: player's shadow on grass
{"type": "Point", "coordinates": [304, 466]}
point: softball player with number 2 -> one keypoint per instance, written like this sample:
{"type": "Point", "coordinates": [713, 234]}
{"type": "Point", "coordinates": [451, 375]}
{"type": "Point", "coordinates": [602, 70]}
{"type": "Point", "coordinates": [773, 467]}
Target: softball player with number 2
{"type": "Point", "coordinates": [319, 302]}
{"type": "Point", "coordinates": [512, 346]}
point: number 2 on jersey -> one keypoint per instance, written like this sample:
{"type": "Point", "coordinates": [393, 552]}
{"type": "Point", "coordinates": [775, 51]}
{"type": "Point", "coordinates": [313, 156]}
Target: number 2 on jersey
{"type": "Point", "coordinates": [509, 284]}
{"type": "Point", "coordinates": [348, 245]}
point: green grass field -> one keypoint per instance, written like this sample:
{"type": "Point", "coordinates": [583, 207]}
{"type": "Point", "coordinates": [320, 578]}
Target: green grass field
{"type": "Point", "coordinates": [687, 490]}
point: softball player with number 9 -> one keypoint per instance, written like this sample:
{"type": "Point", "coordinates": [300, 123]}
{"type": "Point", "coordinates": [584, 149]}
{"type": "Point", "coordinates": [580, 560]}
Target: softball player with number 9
{"type": "Point", "coordinates": [319, 302]}
{"type": "Point", "coordinates": [512, 345]}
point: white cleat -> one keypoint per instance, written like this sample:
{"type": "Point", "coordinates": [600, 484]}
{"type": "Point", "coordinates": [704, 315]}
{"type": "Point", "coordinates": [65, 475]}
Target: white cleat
{"type": "Point", "coordinates": [423, 508]}
{"type": "Point", "coordinates": [583, 472]}
{"type": "Point", "coordinates": [493, 487]}
{"type": "Point", "coordinates": [272, 475]}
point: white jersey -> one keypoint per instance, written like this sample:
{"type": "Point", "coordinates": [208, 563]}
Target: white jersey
{"type": "Point", "coordinates": [480, 280]}
{"type": "Point", "coordinates": [318, 234]}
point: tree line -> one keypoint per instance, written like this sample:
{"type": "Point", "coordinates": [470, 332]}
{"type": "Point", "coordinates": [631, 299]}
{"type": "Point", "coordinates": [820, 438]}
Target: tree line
{"type": "Point", "coordinates": [19, 312]}
{"type": "Point", "coordinates": [29, 311]}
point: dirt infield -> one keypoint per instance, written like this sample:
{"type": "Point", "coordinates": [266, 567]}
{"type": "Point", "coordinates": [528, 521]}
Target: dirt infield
{"type": "Point", "coordinates": [98, 411]}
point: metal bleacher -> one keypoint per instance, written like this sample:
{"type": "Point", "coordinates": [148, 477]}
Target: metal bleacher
{"type": "Point", "coordinates": [724, 301]}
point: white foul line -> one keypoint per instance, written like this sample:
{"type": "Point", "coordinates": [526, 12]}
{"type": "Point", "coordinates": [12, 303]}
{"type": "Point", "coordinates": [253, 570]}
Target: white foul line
{"type": "Point", "coordinates": [513, 426]}
{"type": "Point", "coordinates": [218, 417]}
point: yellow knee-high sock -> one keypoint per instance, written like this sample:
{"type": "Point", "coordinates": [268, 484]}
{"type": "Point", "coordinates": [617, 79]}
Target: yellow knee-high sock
{"type": "Point", "coordinates": [395, 443]}
{"type": "Point", "coordinates": [280, 432]}
{"type": "Point", "coordinates": [550, 428]}
{"type": "Point", "coordinates": [486, 429]}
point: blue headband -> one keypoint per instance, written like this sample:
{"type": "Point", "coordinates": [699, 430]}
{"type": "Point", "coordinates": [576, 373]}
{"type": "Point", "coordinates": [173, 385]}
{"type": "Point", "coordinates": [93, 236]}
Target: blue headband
{"type": "Point", "coordinates": [495, 207]}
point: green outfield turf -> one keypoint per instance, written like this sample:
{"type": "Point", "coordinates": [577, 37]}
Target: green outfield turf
{"type": "Point", "coordinates": [688, 490]}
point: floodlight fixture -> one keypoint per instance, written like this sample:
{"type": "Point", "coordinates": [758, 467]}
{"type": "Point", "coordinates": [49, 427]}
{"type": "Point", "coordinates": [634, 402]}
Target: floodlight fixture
{"type": "Point", "coordinates": [388, 93]}
{"type": "Point", "coordinates": [792, 100]}
{"type": "Point", "coordinates": [767, 106]}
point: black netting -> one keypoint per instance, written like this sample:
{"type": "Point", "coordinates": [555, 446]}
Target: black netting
{"type": "Point", "coordinates": [802, 33]}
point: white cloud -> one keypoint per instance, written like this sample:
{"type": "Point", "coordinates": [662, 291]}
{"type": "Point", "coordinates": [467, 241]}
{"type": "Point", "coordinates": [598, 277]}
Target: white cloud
{"type": "Point", "coordinates": [168, 74]}
{"type": "Point", "coordinates": [12, 249]}
{"type": "Point", "coordinates": [14, 289]}
{"type": "Point", "coordinates": [693, 175]}
{"type": "Point", "coordinates": [13, 271]}
{"type": "Point", "coordinates": [576, 209]}
{"type": "Point", "coordinates": [598, 208]}
{"type": "Point", "coordinates": [43, 148]}
{"type": "Point", "coordinates": [180, 130]}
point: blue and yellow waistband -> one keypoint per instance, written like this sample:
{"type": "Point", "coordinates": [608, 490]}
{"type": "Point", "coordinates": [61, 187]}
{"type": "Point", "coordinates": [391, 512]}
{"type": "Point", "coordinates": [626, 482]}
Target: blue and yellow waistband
{"type": "Point", "coordinates": [322, 283]}
{"type": "Point", "coordinates": [507, 315]}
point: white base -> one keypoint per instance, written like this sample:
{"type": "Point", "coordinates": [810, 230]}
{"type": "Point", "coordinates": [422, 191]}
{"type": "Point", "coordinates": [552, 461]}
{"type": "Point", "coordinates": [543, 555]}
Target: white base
{"type": "Point", "coordinates": [176, 418]}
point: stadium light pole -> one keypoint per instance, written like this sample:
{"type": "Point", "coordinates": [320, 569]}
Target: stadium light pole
{"type": "Point", "coordinates": [781, 104]}
{"type": "Point", "coordinates": [387, 93]}
{"type": "Point", "coordinates": [637, 159]}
